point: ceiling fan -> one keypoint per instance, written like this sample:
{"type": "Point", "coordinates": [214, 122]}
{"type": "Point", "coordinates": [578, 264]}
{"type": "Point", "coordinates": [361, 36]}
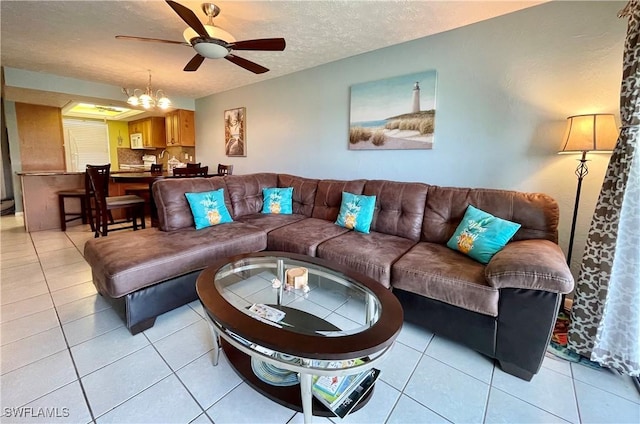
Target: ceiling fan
{"type": "Point", "coordinates": [211, 42]}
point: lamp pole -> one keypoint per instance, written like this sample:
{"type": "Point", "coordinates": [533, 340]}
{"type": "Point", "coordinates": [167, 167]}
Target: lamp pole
{"type": "Point", "coordinates": [581, 172]}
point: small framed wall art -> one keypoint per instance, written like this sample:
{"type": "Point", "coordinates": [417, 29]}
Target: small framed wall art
{"type": "Point", "coordinates": [235, 124]}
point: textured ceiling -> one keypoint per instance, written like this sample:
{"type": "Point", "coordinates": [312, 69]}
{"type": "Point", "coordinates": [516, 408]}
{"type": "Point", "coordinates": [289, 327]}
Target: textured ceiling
{"type": "Point", "coordinates": [76, 38]}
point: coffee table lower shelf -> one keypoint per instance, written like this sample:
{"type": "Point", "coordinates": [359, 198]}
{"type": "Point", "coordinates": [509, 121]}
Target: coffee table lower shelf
{"type": "Point", "coordinates": [288, 396]}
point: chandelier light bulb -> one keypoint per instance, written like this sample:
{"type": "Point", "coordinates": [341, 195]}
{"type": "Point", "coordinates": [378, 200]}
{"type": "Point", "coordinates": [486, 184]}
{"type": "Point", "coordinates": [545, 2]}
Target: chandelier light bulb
{"type": "Point", "coordinates": [164, 102]}
{"type": "Point", "coordinates": [133, 101]}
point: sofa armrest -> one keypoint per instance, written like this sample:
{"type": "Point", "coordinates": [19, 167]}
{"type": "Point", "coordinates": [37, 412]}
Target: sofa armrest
{"type": "Point", "coordinates": [530, 264]}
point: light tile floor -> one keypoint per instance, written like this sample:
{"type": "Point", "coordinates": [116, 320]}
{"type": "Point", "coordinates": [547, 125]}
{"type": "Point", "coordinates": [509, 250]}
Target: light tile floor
{"type": "Point", "coordinates": [65, 351]}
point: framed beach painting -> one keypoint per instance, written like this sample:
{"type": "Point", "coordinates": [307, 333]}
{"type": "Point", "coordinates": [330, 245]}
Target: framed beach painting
{"type": "Point", "coordinates": [394, 113]}
{"type": "Point", "coordinates": [235, 143]}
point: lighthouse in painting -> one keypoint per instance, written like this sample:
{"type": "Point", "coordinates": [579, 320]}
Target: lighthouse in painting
{"type": "Point", "coordinates": [416, 98]}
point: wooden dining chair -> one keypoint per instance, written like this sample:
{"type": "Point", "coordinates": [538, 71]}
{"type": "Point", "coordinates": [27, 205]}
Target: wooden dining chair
{"type": "Point", "coordinates": [98, 188]}
{"type": "Point", "coordinates": [193, 165]}
{"type": "Point", "coordinates": [203, 171]}
{"type": "Point", "coordinates": [144, 190]}
{"type": "Point", "coordinates": [225, 169]}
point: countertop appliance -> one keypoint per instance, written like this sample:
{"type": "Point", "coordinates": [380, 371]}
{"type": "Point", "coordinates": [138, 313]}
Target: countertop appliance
{"type": "Point", "coordinates": [148, 160]}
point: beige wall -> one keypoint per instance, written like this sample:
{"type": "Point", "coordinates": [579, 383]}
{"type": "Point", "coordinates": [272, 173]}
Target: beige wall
{"type": "Point", "coordinates": [41, 139]}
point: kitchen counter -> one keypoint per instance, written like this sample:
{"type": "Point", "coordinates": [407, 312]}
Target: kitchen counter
{"type": "Point", "coordinates": [40, 198]}
{"type": "Point", "coordinates": [48, 173]}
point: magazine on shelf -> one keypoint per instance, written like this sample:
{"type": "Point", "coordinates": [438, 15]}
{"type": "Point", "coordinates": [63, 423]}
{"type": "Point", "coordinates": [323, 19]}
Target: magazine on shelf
{"type": "Point", "coordinates": [340, 394]}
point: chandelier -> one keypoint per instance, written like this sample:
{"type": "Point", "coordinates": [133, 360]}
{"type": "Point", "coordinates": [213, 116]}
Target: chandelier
{"type": "Point", "coordinates": [147, 98]}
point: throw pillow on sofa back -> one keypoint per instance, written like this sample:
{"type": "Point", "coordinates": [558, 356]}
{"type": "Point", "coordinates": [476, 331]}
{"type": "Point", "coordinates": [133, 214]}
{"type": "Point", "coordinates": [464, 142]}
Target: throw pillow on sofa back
{"type": "Point", "coordinates": [356, 212]}
{"type": "Point", "coordinates": [277, 200]}
{"type": "Point", "coordinates": [208, 208]}
{"type": "Point", "coordinates": [481, 235]}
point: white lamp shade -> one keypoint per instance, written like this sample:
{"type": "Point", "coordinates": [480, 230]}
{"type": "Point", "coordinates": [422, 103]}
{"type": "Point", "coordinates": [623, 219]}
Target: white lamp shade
{"type": "Point", "coordinates": [592, 132]}
{"type": "Point", "coordinates": [213, 31]}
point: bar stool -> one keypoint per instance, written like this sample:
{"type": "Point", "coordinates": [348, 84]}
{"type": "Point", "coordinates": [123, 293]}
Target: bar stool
{"type": "Point", "coordinates": [75, 193]}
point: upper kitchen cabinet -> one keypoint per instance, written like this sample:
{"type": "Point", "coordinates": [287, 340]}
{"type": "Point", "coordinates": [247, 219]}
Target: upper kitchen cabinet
{"type": "Point", "coordinates": [152, 130]}
{"type": "Point", "coordinates": [180, 128]}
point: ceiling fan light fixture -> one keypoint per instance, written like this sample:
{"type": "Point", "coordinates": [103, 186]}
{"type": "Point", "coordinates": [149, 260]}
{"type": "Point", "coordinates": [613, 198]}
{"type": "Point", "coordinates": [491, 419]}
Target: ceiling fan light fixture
{"type": "Point", "coordinates": [211, 42]}
{"type": "Point", "coordinates": [213, 31]}
{"type": "Point", "coordinates": [210, 50]}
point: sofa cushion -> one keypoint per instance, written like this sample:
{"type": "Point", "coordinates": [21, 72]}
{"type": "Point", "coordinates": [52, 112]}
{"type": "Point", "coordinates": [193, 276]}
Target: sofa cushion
{"type": "Point", "coordinates": [370, 254]}
{"type": "Point", "coordinates": [329, 197]}
{"type": "Point", "coordinates": [277, 200]}
{"type": "Point", "coordinates": [173, 209]}
{"type": "Point", "coordinates": [399, 207]}
{"type": "Point", "coordinates": [303, 237]}
{"type": "Point", "coordinates": [356, 212]}
{"type": "Point", "coordinates": [437, 272]}
{"type": "Point", "coordinates": [208, 208]}
{"type": "Point", "coordinates": [125, 262]}
{"type": "Point", "coordinates": [245, 192]}
{"type": "Point", "coordinates": [304, 192]}
{"type": "Point", "coordinates": [481, 235]}
{"type": "Point", "coordinates": [269, 222]}
{"type": "Point", "coordinates": [445, 206]}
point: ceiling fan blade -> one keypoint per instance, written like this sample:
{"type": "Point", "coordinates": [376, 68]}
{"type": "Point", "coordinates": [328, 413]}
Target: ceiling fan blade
{"type": "Point", "coordinates": [189, 17]}
{"type": "Point", "coordinates": [267, 44]}
{"type": "Point", "coordinates": [194, 63]}
{"type": "Point", "coordinates": [154, 40]}
{"type": "Point", "coordinates": [246, 64]}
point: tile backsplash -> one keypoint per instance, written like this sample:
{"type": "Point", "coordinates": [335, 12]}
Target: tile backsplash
{"type": "Point", "coordinates": [128, 156]}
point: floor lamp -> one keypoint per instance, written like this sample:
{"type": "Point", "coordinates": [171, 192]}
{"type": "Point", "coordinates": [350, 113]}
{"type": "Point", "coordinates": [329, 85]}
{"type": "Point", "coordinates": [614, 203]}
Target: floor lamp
{"type": "Point", "coordinates": [586, 133]}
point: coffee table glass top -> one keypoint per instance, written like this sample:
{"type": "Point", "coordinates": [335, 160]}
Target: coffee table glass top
{"type": "Point", "coordinates": [331, 305]}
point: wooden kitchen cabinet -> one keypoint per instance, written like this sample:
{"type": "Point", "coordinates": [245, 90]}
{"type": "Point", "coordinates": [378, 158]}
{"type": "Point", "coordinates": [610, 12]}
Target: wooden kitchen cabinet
{"type": "Point", "coordinates": [152, 130]}
{"type": "Point", "coordinates": [180, 128]}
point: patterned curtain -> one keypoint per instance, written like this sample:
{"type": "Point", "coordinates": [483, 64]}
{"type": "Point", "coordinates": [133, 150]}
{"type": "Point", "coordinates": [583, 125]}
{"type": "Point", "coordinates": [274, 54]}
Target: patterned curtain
{"type": "Point", "coordinates": [605, 318]}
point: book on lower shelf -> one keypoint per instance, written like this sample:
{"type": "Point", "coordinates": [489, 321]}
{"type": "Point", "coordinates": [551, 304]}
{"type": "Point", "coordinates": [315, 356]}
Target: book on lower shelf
{"type": "Point", "coordinates": [340, 394]}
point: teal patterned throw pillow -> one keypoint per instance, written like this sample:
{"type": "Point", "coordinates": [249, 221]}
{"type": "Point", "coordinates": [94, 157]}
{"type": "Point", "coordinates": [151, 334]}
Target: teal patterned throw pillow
{"type": "Point", "coordinates": [208, 208]}
{"type": "Point", "coordinates": [277, 200]}
{"type": "Point", "coordinates": [481, 235]}
{"type": "Point", "coordinates": [356, 212]}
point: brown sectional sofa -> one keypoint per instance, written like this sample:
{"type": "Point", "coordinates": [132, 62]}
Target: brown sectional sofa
{"type": "Point", "coordinates": [505, 309]}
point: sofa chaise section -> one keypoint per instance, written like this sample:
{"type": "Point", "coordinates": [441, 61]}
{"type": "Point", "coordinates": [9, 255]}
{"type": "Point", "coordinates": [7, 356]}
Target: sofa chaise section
{"type": "Point", "coordinates": [149, 272]}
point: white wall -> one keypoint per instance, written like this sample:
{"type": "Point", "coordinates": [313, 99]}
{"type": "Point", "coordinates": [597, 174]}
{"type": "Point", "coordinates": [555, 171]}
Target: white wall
{"type": "Point", "coordinates": [505, 87]}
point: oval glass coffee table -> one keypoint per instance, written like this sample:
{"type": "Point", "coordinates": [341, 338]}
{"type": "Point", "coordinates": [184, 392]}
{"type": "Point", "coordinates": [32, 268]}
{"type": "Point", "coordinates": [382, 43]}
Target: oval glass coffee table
{"type": "Point", "coordinates": [278, 339]}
